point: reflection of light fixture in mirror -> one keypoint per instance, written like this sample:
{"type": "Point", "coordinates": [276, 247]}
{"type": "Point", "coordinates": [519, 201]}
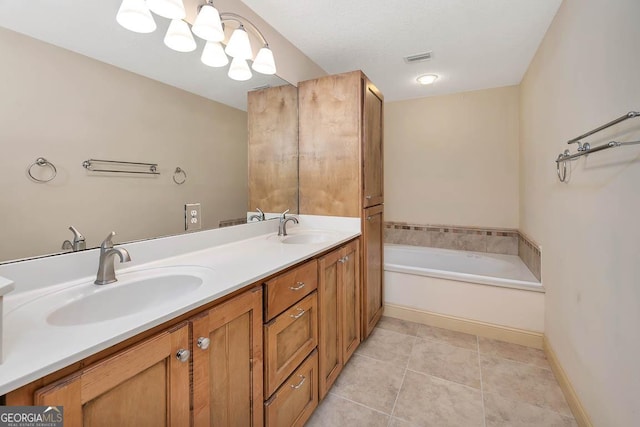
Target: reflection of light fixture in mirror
{"type": "Point", "coordinates": [179, 36]}
{"type": "Point", "coordinates": [264, 62]}
{"type": "Point", "coordinates": [239, 70]}
{"type": "Point", "coordinates": [207, 25]}
{"type": "Point", "coordinates": [239, 45]}
{"type": "Point", "coordinates": [172, 9]}
{"type": "Point", "coordinates": [427, 79]}
{"type": "Point", "coordinates": [213, 55]}
{"type": "Point", "coordinates": [134, 15]}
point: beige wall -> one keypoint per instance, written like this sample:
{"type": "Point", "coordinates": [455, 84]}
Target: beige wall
{"type": "Point", "coordinates": [585, 74]}
{"type": "Point", "coordinates": [453, 159]}
{"type": "Point", "coordinates": [68, 108]}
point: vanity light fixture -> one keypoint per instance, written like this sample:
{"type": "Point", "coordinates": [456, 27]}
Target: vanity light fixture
{"type": "Point", "coordinates": [427, 79]}
{"type": "Point", "coordinates": [171, 9]}
{"type": "Point", "coordinates": [179, 36]}
{"type": "Point", "coordinates": [134, 15]}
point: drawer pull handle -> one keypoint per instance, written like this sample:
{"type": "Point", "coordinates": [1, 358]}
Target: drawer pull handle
{"type": "Point", "coordinates": [183, 355]}
{"type": "Point", "coordinates": [297, 288]}
{"type": "Point", "coordinates": [342, 260]}
{"type": "Point", "coordinates": [203, 343]}
{"type": "Point", "coordinates": [297, 316]}
{"type": "Point", "coordinates": [297, 386]}
{"type": "Point", "coordinates": [368, 197]}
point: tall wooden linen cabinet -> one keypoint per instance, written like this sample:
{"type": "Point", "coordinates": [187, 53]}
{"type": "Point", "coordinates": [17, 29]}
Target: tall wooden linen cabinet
{"type": "Point", "coordinates": [340, 165]}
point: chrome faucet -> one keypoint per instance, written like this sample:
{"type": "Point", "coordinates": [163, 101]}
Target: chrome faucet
{"type": "Point", "coordinates": [282, 231]}
{"type": "Point", "coordinates": [259, 216]}
{"type": "Point", "coordinates": [106, 271]}
{"type": "Point", "coordinates": [78, 244]}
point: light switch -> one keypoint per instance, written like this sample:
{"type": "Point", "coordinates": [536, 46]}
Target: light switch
{"type": "Point", "coordinates": [192, 217]}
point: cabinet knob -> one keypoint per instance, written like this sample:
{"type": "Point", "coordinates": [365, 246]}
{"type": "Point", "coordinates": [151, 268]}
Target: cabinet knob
{"type": "Point", "coordinates": [297, 288]}
{"type": "Point", "coordinates": [203, 343]}
{"type": "Point", "coordinates": [368, 197]}
{"type": "Point", "coordinates": [297, 386]}
{"type": "Point", "coordinates": [369, 218]}
{"type": "Point", "coordinates": [297, 316]}
{"type": "Point", "coordinates": [343, 259]}
{"type": "Point", "coordinates": [183, 355]}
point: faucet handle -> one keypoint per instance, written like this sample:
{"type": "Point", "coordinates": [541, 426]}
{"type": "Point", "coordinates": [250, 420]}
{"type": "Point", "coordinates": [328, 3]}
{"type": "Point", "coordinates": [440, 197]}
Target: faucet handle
{"type": "Point", "coordinates": [77, 236]}
{"type": "Point", "coordinates": [262, 217]}
{"type": "Point", "coordinates": [284, 214]}
{"type": "Point", "coordinates": [107, 243]}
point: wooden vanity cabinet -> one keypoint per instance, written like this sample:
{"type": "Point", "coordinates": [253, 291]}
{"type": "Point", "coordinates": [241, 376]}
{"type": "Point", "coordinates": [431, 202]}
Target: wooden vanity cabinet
{"type": "Point", "coordinates": [339, 301]}
{"type": "Point", "coordinates": [147, 384]}
{"type": "Point", "coordinates": [373, 250]}
{"type": "Point", "coordinates": [341, 167]}
{"type": "Point", "coordinates": [290, 346]}
{"type": "Point", "coordinates": [227, 363]}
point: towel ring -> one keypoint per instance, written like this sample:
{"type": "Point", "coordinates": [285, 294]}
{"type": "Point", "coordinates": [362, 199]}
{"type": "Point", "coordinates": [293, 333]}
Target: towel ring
{"type": "Point", "coordinates": [562, 176]}
{"type": "Point", "coordinates": [42, 162]}
{"type": "Point", "coordinates": [177, 172]}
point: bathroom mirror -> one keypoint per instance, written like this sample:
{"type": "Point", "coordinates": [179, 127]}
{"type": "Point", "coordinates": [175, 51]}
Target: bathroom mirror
{"type": "Point", "coordinates": [76, 86]}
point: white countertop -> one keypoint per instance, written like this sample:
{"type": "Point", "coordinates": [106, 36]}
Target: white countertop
{"type": "Point", "coordinates": [233, 258]}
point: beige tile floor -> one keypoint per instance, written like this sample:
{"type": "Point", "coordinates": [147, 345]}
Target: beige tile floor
{"type": "Point", "coordinates": [408, 375]}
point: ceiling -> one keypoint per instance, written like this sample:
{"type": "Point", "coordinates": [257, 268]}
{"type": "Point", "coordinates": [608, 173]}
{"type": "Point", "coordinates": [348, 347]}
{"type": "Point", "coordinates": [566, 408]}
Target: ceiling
{"type": "Point", "coordinates": [476, 44]}
{"type": "Point", "coordinates": [90, 28]}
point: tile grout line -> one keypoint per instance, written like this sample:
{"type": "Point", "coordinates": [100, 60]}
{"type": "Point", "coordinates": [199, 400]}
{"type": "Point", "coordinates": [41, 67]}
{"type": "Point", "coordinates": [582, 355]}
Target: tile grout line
{"type": "Point", "coordinates": [358, 403]}
{"type": "Point", "coordinates": [404, 375]}
{"type": "Point", "coordinates": [484, 412]}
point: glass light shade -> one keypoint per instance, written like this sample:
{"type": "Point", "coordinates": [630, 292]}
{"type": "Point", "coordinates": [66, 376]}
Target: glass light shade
{"type": "Point", "coordinates": [239, 46]}
{"type": "Point", "coordinates": [213, 55]}
{"type": "Point", "coordinates": [134, 15]}
{"type": "Point", "coordinates": [427, 79]}
{"type": "Point", "coordinates": [179, 37]}
{"type": "Point", "coordinates": [239, 70]}
{"type": "Point", "coordinates": [264, 62]}
{"type": "Point", "coordinates": [172, 9]}
{"type": "Point", "coordinates": [207, 25]}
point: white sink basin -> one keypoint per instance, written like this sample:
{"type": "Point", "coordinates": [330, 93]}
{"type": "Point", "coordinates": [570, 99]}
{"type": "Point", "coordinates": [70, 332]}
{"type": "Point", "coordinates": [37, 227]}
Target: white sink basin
{"type": "Point", "coordinates": [133, 293]}
{"type": "Point", "coordinates": [307, 238]}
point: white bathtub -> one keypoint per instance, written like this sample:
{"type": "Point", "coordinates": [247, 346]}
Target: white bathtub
{"type": "Point", "coordinates": [474, 267]}
{"type": "Point", "coordinates": [492, 288]}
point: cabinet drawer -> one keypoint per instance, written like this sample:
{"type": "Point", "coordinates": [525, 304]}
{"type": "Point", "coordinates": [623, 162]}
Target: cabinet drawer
{"type": "Point", "coordinates": [295, 401]}
{"type": "Point", "coordinates": [285, 290]}
{"type": "Point", "coordinates": [288, 340]}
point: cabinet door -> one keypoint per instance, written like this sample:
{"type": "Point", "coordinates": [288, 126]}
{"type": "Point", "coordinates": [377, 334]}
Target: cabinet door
{"type": "Point", "coordinates": [330, 320]}
{"type": "Point", "coordinates": [372, 242]}
{"type": "Point", "coordinates": [372, 148]}
{"type": "Point", "coordinates": [350, 280]}
{"type": "Point", "coordinates": [330, 132]}
{"type": "Point", "coordinates": [145, 385]}
{"type": "Point", "coordinates": [227, 369]}
{"type": "Point", "coordinates": [273, 149]}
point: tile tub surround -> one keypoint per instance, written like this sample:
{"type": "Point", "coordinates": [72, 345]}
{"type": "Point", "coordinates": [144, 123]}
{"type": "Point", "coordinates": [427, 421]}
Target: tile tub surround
{"type": "Point", "coordinates": [476, 239]}
{"type": "Point", "coordinates": [409, 374]}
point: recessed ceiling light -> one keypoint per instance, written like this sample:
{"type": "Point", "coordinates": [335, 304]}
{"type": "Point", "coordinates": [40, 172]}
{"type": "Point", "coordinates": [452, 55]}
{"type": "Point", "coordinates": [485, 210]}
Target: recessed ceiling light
{"type": "Point", "coordinates": [427, 79]}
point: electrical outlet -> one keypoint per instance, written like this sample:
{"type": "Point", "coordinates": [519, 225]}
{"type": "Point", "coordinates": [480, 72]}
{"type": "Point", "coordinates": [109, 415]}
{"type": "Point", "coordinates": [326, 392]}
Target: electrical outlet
{"type": "Point", "coordinates": [192, 217]}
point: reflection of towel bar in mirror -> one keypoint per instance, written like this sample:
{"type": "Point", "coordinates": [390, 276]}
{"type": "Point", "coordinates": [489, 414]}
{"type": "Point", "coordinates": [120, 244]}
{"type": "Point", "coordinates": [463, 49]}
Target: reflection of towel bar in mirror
{"type": "Point", "coordinates": [122, 167]}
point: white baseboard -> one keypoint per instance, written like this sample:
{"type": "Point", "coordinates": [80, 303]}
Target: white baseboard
{"type": "Point", "coordinates": [578, 410]}
{"type": "Point", "coordinates": [498, 332]}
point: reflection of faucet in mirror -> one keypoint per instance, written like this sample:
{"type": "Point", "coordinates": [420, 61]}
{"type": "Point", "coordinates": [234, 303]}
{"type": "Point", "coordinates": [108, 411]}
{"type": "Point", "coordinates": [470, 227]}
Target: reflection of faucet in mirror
{"type": "Point", "coordinates": [78, 244]}
{"type": "Point", "coordinates": [259, 216]}
{"type": "Point", "coordinates": [282, 231]}
{"type": "Point", "coordinates": [106, 272]}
